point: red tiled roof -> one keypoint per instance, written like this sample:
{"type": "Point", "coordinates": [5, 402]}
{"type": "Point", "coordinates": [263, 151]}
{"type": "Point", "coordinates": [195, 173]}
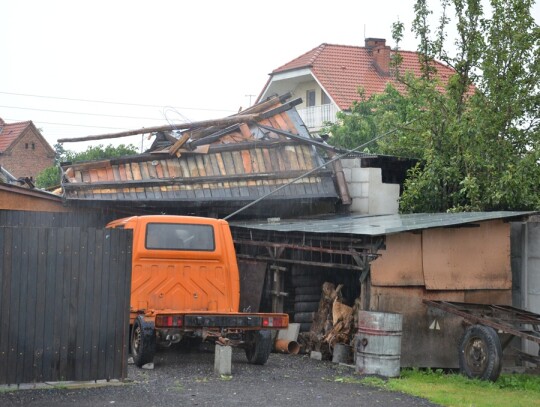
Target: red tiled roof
{"type": "Point", "coordinates": [342, 69]}
{"type": "Point", "coordinates": [10, 132]}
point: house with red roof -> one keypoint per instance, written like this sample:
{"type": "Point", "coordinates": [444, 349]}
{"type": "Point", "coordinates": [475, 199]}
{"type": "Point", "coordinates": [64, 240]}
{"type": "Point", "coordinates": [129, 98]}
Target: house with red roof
{"type": "Point", "coordinates": [327, 78]}
{"type": "Point", "coordinates": [24, 152]}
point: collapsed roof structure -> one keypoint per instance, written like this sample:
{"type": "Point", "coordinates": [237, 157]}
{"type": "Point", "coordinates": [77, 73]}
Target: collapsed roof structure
{"type": "Point", "coordinates": [214, 167]}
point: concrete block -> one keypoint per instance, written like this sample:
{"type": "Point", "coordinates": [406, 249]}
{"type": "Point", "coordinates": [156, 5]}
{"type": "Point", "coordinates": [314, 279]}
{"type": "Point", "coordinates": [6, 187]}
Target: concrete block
{"type": "Point", "coordinates": [355, 190]}
{"type": "Point", "coordinates": [148, 366]}
{"type": "Point", "coordinates": [350, 162]}
{"type": "Point", "coordinates": [315, 355]}
{"type": "Point", "coordinates": [360, 205]}
{"type": "Point", "coordinates": [347, 172]}
{"type": "Point", "coordinates": [360, 174]}
{"type": "Point", "coordinates": [291, 333]}
{"type": "Point", "coordinates": [222, 360]}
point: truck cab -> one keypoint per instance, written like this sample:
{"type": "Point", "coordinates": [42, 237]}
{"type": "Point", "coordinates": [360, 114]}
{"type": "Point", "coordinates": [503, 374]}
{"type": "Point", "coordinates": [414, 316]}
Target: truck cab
{"type": "Point", "coordinates": [185, 283]}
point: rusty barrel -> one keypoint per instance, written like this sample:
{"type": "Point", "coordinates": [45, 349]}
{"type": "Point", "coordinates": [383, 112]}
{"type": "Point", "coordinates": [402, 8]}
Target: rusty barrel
{"type": "Point", "coordinates": [378, 343]}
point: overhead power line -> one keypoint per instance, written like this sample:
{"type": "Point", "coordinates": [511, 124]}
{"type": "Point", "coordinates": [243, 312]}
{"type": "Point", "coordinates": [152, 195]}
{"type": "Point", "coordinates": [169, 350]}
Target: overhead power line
{"type": "Point", "coordinates": [38, 122]}
{"type": "Point", "coordinates": [111, 103]}
{"type": "Point", "coordinates": [83, 113]}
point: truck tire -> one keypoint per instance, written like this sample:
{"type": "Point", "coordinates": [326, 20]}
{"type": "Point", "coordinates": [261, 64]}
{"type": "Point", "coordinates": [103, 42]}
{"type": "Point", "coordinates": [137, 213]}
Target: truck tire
{"type": "Point", "coordinates": [259, 346]}
{"type": "Point", "coordinates": [143, 342]}
{"type": "Point", "coordinates": [309, 290]}
{"type": "Point", "coordinates": [307, 297]}
{"type": "Point", "coordinates": [304, 317]}
{"type": "Point", "coordinates": [480, 353]}
{"type": "Point", "coordinates": [306, 306]}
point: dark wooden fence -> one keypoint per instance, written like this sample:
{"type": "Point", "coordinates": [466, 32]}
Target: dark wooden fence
{"type": "Point", "coordinates": [64, 300]}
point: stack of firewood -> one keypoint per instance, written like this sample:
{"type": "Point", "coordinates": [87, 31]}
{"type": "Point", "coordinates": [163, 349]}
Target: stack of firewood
{"type": "Point", "coordinates": [333, 323]}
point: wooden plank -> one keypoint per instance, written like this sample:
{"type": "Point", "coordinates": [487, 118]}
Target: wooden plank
{"type": "Point", "coordinates": [93, 175]}
{"type": "Point", "coordinates": [122, 172]}
{"type": "Point", "coordinates": [121, 312]}
{"type": "Point", "coordinates": [82, 276]}
{"type": "Point", "coordinates": [246, 162]}
{"type": "Point", "coordinates": [467, 258]}
{"type": "Point", "coordinates": [14, 317]}
{"type": "Point", "coordinates": [245, 131]}
{"type": "Point", "coordinates": [108, 325]}
{"type": "Point", "coordinates": [31, 321]}
{"type": "Point", "coordinates": [49, 307]}
{"type": "Point", "coordinates": [89, 311]}
{"type": "Point", "coordinates": [5, 294]}
{"type": "Point", "coordinates": [41, 316]}
{"type": "Point", "coordinates": [220, 163]}
{"type": "Point", "coordinates": [238, 162]}
{"type": "Point", "coordinates": [65, 274]}
{"type": "Point", "coordinates": [95, 320]}
{"type": "Point", "coordinates": [74, 301]}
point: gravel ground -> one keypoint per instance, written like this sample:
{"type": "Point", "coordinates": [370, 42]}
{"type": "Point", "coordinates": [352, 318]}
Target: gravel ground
{"type": "Point", "coordinates": [185, 377]}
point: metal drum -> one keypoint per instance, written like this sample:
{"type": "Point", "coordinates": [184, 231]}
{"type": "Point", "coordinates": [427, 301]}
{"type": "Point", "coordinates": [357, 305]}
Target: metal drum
{"type": "Point", "coordinates": [378, 343]}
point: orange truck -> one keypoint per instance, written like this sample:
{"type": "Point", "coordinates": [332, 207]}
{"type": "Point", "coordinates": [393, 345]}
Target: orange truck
{"type": "Point", "coordinates": [185, 284]}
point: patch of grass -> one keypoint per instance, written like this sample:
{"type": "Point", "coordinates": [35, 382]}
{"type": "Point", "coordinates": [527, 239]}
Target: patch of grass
{"type": "Point", "coordinates": [457, 390]}
{"type": "Point", "coordinates": [178, 386]}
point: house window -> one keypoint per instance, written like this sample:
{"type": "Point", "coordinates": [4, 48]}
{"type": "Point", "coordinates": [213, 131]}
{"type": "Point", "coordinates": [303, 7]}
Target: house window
{"type": "Point", "coordinates": [33, 146]}
{"type": "Point", "coordinates": [324, 98]}
{"type": "Point", "coordinates": [310, 98]}
{"type": "Point", "coordinates": [26, 146]}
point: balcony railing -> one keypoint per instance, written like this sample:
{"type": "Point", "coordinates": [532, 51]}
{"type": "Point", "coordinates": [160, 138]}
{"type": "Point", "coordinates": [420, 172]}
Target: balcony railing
{"type": "Point", "coordinates": [315, 116]}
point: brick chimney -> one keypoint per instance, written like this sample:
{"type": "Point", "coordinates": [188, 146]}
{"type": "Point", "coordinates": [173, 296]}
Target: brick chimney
{"type": "Point", "coordinates": [381, 54]}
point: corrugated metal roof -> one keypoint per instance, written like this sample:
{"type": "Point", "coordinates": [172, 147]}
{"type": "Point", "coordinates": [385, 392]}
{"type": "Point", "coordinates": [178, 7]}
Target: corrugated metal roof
{"type": "Point", "coordinates": [377, 225]}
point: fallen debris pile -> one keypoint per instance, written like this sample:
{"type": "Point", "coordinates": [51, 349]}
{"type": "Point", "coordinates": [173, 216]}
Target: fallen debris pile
{"type": "Point", "coordinates": [333, 323]}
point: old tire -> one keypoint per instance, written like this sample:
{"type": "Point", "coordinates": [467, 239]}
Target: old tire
{"type": "Point", "coordinates": [306, 306]}
{"type": "Point", "coordinates": [304, 317]}
{"type": "Point", "coordinates": [143, 342]}
{"type": "Point", "coordinates": [259, 346]}
{"type": "Point", "coordinates": [307, 298]}
{"type": "Point", "coordinates": [309, 290]}
{"type": "Point", "coordinates": [480, 353]}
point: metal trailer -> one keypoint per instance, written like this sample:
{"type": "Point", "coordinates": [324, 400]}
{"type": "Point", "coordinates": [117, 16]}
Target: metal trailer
{"type": "Point", "coordinates": [490, 329]}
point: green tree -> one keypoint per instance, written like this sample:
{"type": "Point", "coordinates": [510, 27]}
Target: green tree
{"type": "Point", "coordinates": [50, 177]}
{"type": "Point", "coordinates": [478, 134]}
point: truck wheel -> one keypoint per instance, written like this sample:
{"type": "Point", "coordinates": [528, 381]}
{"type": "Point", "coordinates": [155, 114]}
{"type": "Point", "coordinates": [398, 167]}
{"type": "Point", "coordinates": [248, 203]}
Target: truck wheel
{"type": "Point", "coordinates": [143, 342]}
{"type": "Point", "coordinates": [480, 353]}
{"type": "Point", "coordinates": [259, 346]}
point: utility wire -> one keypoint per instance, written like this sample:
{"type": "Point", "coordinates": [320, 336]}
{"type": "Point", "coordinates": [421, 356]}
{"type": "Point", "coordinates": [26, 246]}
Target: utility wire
{"type": "Point", "coordinates": [111, 103]}
{"type": "Point", "coordinates": [81, 113]}
{"type": "Point", "coordinates": [68, 124]}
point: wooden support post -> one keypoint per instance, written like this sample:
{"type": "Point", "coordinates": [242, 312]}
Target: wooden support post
{"type": "Point", "coordinates": [278, 284]}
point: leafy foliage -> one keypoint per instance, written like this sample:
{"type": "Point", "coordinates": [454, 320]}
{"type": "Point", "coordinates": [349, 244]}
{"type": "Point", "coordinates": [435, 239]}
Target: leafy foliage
{"type": "Point", "coordinates": [50, 177]}
{"type": "Point", "coordinates": [477, 135]}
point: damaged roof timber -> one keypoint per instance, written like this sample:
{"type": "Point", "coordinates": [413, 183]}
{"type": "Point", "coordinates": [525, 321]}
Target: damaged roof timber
{"type": "Point", "coordinates": [216, 163]}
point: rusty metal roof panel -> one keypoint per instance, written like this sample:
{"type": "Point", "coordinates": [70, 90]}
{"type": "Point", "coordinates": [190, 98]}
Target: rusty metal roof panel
{"type": "Point", "coordinates": [377, 225]}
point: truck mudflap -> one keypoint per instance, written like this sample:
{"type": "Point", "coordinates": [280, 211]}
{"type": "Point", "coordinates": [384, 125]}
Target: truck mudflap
{"type": "Point", "coordinates": [229, 321]}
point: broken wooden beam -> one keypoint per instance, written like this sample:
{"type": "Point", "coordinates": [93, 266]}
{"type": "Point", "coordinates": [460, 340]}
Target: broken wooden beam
{"type": "Point", "coordinates": [213, 122]}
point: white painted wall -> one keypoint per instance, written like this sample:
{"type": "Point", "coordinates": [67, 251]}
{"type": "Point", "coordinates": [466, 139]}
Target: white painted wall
{"type": "Point", "coordinates": [369, 194]}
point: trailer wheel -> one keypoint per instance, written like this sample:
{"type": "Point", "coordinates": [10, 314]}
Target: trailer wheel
{"type": "Point", "coordinates": [143, 342]}
{"type": "Point", "coordinates": [259, 346]}
{"type": "Point", "coordinates": [480, 353]}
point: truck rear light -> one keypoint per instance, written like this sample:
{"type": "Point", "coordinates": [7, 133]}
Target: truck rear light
{"type": "Point", "coordinates": [275, 322]}
{"type": "Point", "coordinates": [169, 321]}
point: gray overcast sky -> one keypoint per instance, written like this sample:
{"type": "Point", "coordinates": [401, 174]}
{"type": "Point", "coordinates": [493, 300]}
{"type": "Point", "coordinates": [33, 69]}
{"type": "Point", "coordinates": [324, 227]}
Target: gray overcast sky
{"type": "Point", "coordinates": [204, 58]}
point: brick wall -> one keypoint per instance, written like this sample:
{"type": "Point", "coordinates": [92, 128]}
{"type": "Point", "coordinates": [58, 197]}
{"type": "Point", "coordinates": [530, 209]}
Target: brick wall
{"type": "Point", "coordinates": [28, 157]}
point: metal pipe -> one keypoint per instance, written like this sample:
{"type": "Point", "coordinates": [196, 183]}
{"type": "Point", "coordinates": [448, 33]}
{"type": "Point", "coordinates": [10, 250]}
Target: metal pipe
{"type": "Point", "coordinates": [285, 346]}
